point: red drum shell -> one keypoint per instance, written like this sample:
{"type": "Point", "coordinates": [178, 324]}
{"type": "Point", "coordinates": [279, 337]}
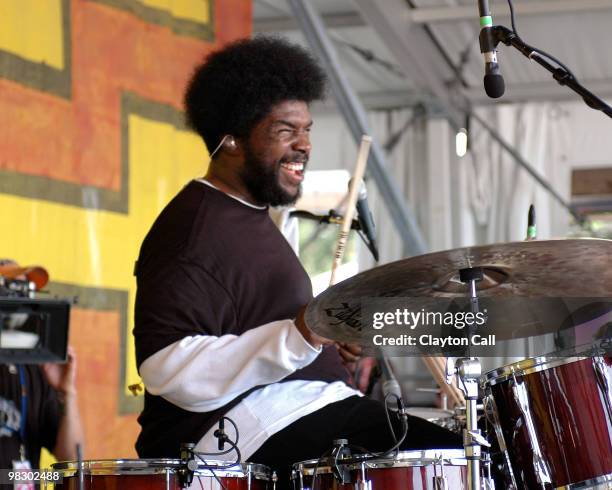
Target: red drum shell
{"type": "Point", "coordinates": [159, 474]}
{"type": "Point", "coordinates": [411, 470]}
{"type": "Point", "coordinates": [570, 418]}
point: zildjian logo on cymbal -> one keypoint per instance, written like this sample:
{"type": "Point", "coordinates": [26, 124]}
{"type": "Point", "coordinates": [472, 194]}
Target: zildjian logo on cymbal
{"type": "Point", "coordinates": [350, 315]}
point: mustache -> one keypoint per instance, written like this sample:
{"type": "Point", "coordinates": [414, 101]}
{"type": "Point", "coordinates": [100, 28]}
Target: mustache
{"type": "Point", "coordinates": [297, 158]}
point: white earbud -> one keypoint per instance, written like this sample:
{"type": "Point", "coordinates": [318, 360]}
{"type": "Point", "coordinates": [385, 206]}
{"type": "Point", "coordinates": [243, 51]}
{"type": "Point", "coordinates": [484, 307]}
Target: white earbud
{"type": "Point", "coordinates": [228, 141]}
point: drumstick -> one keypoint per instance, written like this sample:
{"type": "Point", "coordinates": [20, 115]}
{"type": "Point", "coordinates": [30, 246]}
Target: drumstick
{"type": "Point", "coordinates": [452, 390]}
{"type": "Point", "coordinates": [362, 160]}
{"type": "Point", "coordinates": [437, 367]}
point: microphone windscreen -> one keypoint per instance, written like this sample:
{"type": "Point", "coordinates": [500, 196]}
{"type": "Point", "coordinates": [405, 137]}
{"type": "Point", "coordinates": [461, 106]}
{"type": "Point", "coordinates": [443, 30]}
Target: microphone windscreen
{"type": "Point", "coordinates": [494, 85]}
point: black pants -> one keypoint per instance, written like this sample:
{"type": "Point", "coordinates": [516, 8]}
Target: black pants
{"type": "Point", "coordinates": [360, 420]}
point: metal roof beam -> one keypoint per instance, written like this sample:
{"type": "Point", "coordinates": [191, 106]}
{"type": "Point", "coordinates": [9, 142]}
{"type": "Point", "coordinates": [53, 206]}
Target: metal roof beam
{"type": "Point", "coordinates": [331, 21]}
{"type": "Point", "coordinates": [357, 121]}
{"type": "Point", "coordinates": [413, 49]}
{"type": "Point", "coordinates": [427, 15]}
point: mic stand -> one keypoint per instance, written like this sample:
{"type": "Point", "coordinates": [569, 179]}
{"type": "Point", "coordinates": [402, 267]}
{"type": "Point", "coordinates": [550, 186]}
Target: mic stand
{"type": "Point", "coordinates": [188, 465]}
{"type": "Point", "coordinates": [335, 219]}
{"type": "Point", "coordinates": [509, 38]}
{"type": "Point", "coordinates": [468, 371]}
{"type": "Point", "coordinates": [330, 218]}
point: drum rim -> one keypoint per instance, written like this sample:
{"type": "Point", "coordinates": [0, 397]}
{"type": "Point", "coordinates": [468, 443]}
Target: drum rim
{"type": "Point", "coordinates": [151, 466]}
{"type": "Point", "coordinates": [527, 366]}
{"type": "Point", "coordinates": [453, 457]}
{"type": "Point", "coordinates": [448, 414]}
{"type": "Point", "coordinates": [590, 483]}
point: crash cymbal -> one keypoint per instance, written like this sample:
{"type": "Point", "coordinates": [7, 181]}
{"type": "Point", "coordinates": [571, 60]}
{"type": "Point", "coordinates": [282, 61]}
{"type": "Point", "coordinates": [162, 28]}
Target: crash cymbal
{"type": "Point", "coordinates": [569, 268]}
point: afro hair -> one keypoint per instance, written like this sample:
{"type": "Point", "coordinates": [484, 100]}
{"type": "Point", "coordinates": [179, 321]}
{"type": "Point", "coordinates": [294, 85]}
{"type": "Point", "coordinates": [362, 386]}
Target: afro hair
{"type": "Point", "coordinates": [237, 86]}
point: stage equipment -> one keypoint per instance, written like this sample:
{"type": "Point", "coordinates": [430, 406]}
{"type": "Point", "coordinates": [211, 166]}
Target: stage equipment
{"type": "Point", "coordinates": [33, 331]}
{"type": "Point", "coordinates": [410, 470]}
{"type": "Point", "coordinates": [553, 419]}
{"type": "Point", "coordinates": [161, 474]}
{"type": "Point", "coordinates": [565, 268]}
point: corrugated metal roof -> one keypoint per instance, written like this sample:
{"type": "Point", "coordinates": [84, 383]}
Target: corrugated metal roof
{"type": "Point", "coordinates": [577, 33]}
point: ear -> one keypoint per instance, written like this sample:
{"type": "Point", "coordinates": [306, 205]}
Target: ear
{"type": "Point", "coordinates": [229, 142]}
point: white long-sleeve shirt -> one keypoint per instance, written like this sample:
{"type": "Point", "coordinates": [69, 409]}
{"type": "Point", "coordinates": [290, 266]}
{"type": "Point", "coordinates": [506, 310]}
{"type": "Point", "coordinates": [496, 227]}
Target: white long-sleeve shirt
{"type": "Point", "coordinates": [203, 373]}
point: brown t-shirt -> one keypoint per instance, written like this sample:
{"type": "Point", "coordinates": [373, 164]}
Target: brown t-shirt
{"type": "Point", "coordinates": [211, 265]}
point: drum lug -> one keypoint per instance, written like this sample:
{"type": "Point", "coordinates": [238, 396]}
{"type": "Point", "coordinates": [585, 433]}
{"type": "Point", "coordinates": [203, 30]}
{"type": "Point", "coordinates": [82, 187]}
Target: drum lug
{"type": "Point", "coordinates": [487, 481]}
{"type": "Point", "coordinates": [540, 466]}
{"type": "Point", "coordinates": [341, 451]}
{"type": "Point", "coordinates": [440, 481]}
{"type": "Point", "coordinates": [603, 375]}
{"type": "Point", "coordinates": [491, 413]}
{"type": "Point", "coordinates": [364, 483]}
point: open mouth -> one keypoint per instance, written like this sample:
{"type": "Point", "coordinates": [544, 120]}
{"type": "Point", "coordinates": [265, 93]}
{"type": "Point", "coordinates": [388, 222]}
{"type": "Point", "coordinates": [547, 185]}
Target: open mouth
{"type": "Point", "coordinates": [294, 170]}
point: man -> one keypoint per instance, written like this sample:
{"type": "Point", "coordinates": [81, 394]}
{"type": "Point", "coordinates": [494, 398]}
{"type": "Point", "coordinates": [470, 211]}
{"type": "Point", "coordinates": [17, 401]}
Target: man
{"type": "Point", "coordinates": [219, 327]}
{"type": "Point", "coordinates": [38, 408]}
{"type": "Point", "coordinates": [38, 404]}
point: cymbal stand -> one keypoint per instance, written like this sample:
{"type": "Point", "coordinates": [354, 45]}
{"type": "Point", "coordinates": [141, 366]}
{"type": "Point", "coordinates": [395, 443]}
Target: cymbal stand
{"type": "Point", "coordinates": [468, 371]}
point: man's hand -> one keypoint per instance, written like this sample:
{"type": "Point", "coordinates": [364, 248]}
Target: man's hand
{"type": "Point", "coordinates": [350, 353]}
{"type": "Point", "coordinates": [312, 338]}
{"type": "Point", "coordinates": [62, 377]}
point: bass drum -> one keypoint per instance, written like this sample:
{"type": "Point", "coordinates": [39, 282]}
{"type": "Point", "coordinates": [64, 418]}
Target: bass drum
{"type": "Point", "coordinates": [553, 421]}
{"type": "Point", "coordinates": [160, 474]}
{"type": "Point", "coordinates": [410, 470]}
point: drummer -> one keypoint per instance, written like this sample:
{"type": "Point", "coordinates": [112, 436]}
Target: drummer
{"type": "Point", "coordinates": [219, 325]}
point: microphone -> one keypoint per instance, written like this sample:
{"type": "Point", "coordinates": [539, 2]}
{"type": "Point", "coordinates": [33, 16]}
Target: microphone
{"type": "Point", "coordinates": [220, 434]}
{"type": "Point", "coordinates": [366, 222]}
{"type": "Point", "coordinates": [493, 81]}
{"type": "Point", "coordinates": [531, 224]}
{"type": "Point", "coordinates": [390, 386]}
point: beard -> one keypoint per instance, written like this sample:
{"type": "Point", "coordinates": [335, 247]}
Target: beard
{"type": "Point", "coordinates": [262, 181]}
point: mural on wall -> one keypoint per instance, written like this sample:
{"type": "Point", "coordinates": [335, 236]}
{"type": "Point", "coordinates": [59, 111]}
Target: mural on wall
{"type": "Point", "coordinates": [93, 146]}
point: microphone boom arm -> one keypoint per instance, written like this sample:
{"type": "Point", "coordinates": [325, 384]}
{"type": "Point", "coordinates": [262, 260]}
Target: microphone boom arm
{"type": "Point", "coordinates": [335, 219]}
{"type": "Point", "coordinates": [330, 218]}
{"type": "Point", "coordinates": [509, 38]}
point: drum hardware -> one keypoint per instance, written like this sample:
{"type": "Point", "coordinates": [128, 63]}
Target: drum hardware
{"type": "Point", "coordinates": [491, 412]}
{"type": "Point", "coordinates": [487, 480]}
{"type": "Point", "coordinates": [437, 391]}
{"type": "Point", "coordinates": [81, 467]}
{"type": "Point", "coordinates": [604, 380]}
{"type": "Point", "coordinates": [568, 400]}
{"type": "Point", "coordinates": [364, 484]}
{"type": "Point", "coordinates": [188, 465]}
{"type": "Point", "coordinates": [409, 470]}
{"type": "Point", "coordinates": [440, 481]}
{"type": "Point", "coordinates": [553, 416]}
{"type": "Point", "coordinates": [274, 479]}
{"type": "Point", "coordinates": [468, 372]}
{"type": "Point", "coordinates": [339, 452]}
{"type": "Point", "coordinates": [161, 474]}
{"type": "Point", "coordinates": [568, 268]}
{"type": "Point", "coordinates": [521, 397]}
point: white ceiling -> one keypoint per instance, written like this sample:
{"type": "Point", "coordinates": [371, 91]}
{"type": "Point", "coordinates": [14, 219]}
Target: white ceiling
{"type": "Point", "coordinates": [418, 45]}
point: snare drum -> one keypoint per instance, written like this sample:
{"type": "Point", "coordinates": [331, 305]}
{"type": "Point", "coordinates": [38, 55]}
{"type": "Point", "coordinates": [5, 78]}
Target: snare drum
{"type": "Point", "coordinates": [161, 474]}
{"type": "Point", "coordinates": [553, 418]}
{"type": "Point", "coordinates": [410, 470]}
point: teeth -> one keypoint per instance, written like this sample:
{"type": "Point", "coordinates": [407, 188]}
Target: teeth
{"type": "Point", "coordinates": [293, 166]}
